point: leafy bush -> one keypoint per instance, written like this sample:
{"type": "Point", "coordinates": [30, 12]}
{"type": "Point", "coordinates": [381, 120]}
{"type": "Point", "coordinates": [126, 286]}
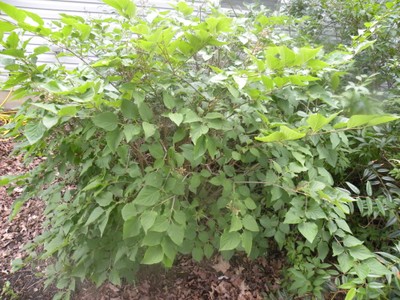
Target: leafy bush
{"type": "Point", "coordinates": [189, 133]}
{"type": "Point", "coordinates": [331, 22]}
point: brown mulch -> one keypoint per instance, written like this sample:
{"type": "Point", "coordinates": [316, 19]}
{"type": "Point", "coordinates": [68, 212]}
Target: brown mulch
{"type": "Point", "coordinates": [239, 278]}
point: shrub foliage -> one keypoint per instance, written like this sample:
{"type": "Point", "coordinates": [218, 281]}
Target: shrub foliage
{"type": "Point", "coordinates": [188, 132]}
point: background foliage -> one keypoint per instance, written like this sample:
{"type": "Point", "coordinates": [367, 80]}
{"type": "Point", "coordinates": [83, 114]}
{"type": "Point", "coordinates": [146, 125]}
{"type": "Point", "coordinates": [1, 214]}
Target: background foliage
{"type": "Point", "coordinates": [197, 133]}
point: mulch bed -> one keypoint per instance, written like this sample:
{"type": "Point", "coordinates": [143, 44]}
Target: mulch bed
{"type": "Point", "coordinates": [239, 278]}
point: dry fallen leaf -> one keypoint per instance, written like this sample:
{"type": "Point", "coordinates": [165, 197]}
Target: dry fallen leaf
{"type": "Point", "coordinates": [222, 265]}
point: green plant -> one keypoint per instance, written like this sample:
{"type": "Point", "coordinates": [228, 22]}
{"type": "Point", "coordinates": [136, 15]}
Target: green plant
{"type": "Point", "coordinates": [8, 291]}
{"type": "Point", "coordinates": [331, 22]}
{"type": "Point", "coordinates": [188, 134]}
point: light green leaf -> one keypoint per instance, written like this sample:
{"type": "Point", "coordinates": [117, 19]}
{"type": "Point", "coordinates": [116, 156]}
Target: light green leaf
{"type": "Point", "coordinates": [149, 129]}
{"type": "Point", "coordinates": [229, 241]}
{"type": "Point", "coordinates": [68, 110]}
{"type": "Point", "coordinates": [247, 241]}
{"type": "Point", "coordinates": [197, 254]}
{"type": "Point", "coordinates": [196, 131]}
{"type": "Point", "coordinates": [317, 121]}
{"type": "Point", "coordinates": [176, 233]}
{"type": "Point", "coordinates": [343, 225]}
{"type": "Point", "coordinates": [169, 100]}
{"type": "Point", "coordinates": [106, 120]}
{"type": "Point", "coordinates": [351, 241]}
{"type": "Point", "coordinates": [236, 224]}
{"type": "Point", "coordinates": [130, 131]}
{"type": "Point", "coordinates": [147, 219]}
{"type": "Point", "coordinates": [305, 54]}
{"type": "Point", "coordinates": [153, 255]}
{"type": "Point", "coordinates": [148, 196]}
{"type": "Point", "coordinates": [113, 139]}
{"type": "Point", "coordinates": [104, 199]}
{"type": "Point", "coordinates": [293, 216]}
{"type": "Point", "coordinates": [34, 131]}
{"type": "Point", "coordinates": [250, 204]}
{"type": "Point", "coordinates": [94, 215]}
{"type": "Point", "coordinates": [308, 230]}
{"type": "Point", "coordinates": [250, 223]}
{"type": "Point", "coordinates": [379, 119]}
{"type": "Point", "coordinates": [13, 12]}
{"type": "Point", "coordinates": [177, 118]}
{"type": "Point", "coordinates": [131, 228]}
{"type": "Point", "coordinates": [360, 252]}
{"type": "Point", "coordinates": [362, 270]}
{"type": "Point", "coordinates": [351, 294]}
{"type": "Point", "coordinates": [285, 134]}
{"type": "Point", "coordinates": [240, 81]}
{"type": "Point", "coordinates": [49, 122]}
{"type": "Point", "coordinates": [128, 109]}
{"type": "Point", "coordinates": [128, 211]}
{"type": "Point", "coordinates": [346, 262]}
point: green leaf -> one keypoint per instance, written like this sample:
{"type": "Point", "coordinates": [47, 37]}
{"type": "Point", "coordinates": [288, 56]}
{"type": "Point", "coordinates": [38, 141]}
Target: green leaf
{"type": "Point", "coordinates": [353, 187]}
{"type": "Point", "coordinates": [145, 112]}
{"type": "Point", "coordinates": [153, 255]}
{"type": "Point", "coordinates": [125, 8]}
{"type": "Point", "coordinates": [177, 118]}
{"type": "Point", "coordinates": [229, 241]}
{"type": "Point", "coordinates": [342, 224]}
{"type": "Point", "coordinates": [351, 294]}
{"type": "Point", "coordinates": [247, 241]}
{"type": "Point", "coordinates": [94, 215]}
{"type": "Point", "coordinates": [104, 199]}
{"type": "Point", "coordinates": [351, 241]}
{"type": "Point", "coordinates": [306, 54]}
{"type": "Point", "coordinates": [369, 120]}
{"type": "Point", "coordinates": [169, 100]}
{"type": "Point", "coordinates": [317, 121]}
{"type": "Point", "coordinates": [131, 228]}
{"type": "Point", "coordinates": [197, 254]}
{"type": "Point", "coordinates": [34, 131]}
{"type": "Point", "coordinates": [49, 122]}
{"type": "Point", "coordinates": [128, 109]}
{"type": "Point", "coordinates": [148, 196]}
{"type": "Point", "coordinates": [13, 12]}
{"type": "Point", "coordinates": [176, 233]}
{"type": "Point", "coordinates": [196, 131]}
{"type": "Point", "coordinates": [128, 211]}
{"type": "Point", "coordinates": [113, 139]}
{"type": "Point", "coordinates": [293, 216]}
{"type": "Point", "coordinates": [106, 120]}
{"type": "Point", "coordinates": [240, 81]}
{"type": "Point", "coordinates": [308, 230]}
{"type": "Point", "coordinates": [360, 252]}
{"type": "Point", "coordinates": [149, 129]}
{"type": "Point", "coordinates": [250, 204]}
{"type": "Point", "coordinates": [236, 224]}
{"type": "Point", "coordinates": [362, 270]}
{"type": "Point", "coordinates": [130, 131]}
{"type": "Point", "coordinates": [368, 188]}
{"type": "Point", "coordinates": [68, 110]}
{"type": "Point", "coordinates": [346, 262]}
{"type": "Point", "coordinates": [156, 150]}
{"type": "Point", "coordinates": [285, 134]}
{"type": "Point", "coordinates": [250, 223]}
{"type": "Point", "coordinates": [147, 220]}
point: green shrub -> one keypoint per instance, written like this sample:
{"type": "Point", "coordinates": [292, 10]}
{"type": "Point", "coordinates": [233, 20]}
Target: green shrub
{"type": "Point", "coordinates": [189, 133]}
